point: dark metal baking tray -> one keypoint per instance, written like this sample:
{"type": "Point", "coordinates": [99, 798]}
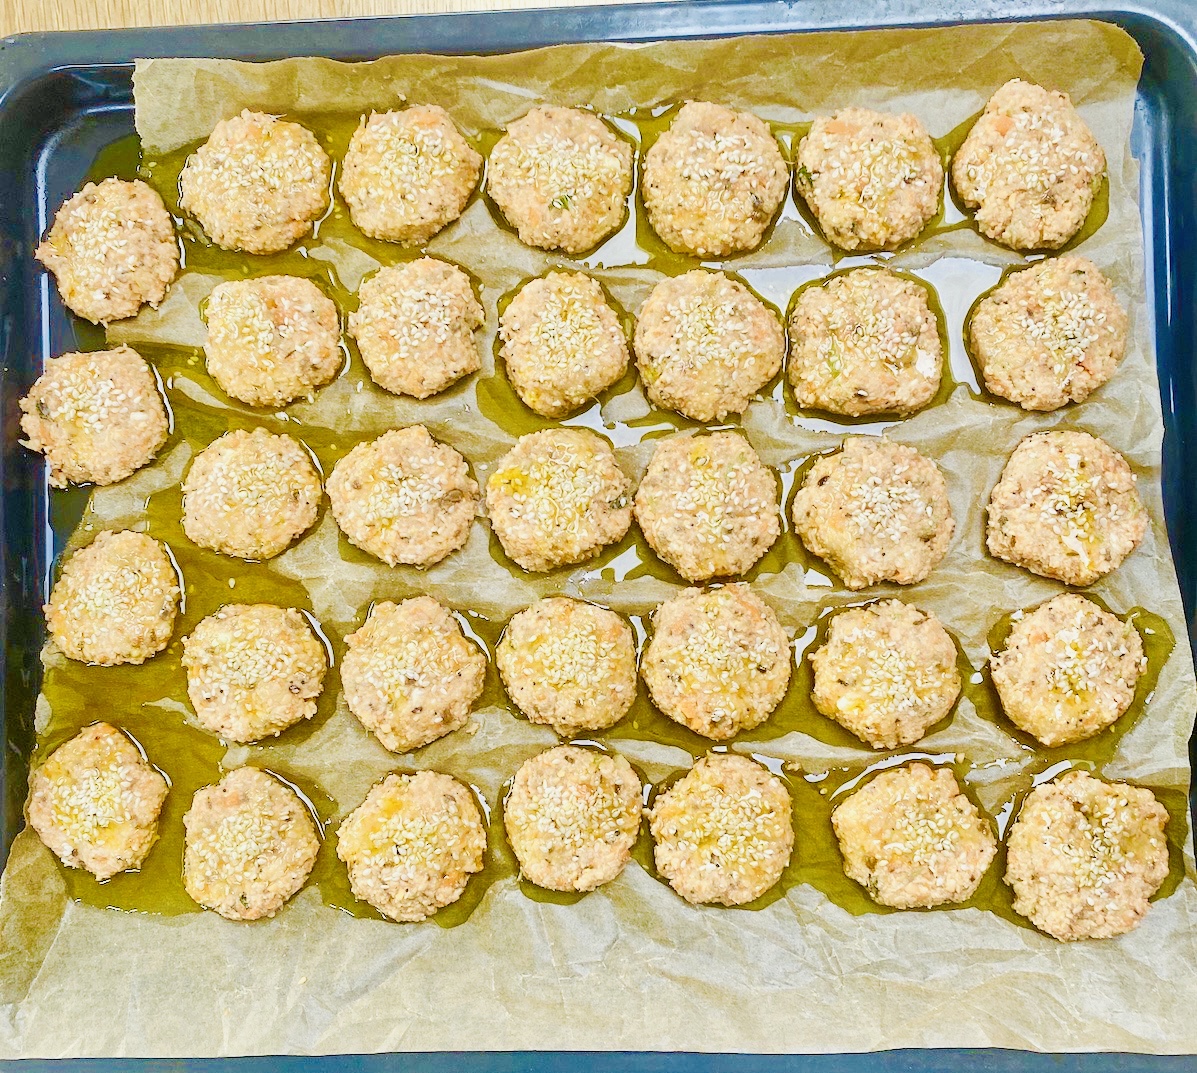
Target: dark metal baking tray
{"type": "Point", "coordinates": [64, 97]}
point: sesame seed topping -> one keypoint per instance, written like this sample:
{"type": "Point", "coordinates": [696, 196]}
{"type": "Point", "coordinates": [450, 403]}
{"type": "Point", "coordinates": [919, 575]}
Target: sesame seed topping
{"type": "Point", "coordinates": [561, 488]}
{"type": "Point", "coordinates": [254, 156]}
{"type": "Point", "coordinates": [95, 801]}
{"type": "Point", "coordinates": [888, 676]}
{"type": "Point", "coordinates": [85, 397]}
{"type": "Point", "coordinates": [731, 829]}
{"type": "Point", "coordinates": [263, 331]}
{"type": "Point", "coordinates": [569, 800]}
{"type": "Point", "coordinates": [415, 326]}
{"type": "Point", "coordinates": [722, 656]}
{"type": "Point", "coordinates": [111, 248]}
{"type": "Point", "coordinates": [868, 323]}
{"type": "Point", "coordinates": [1077, 655]}
{"type": "Point", "coordinates": [706, 327]}
{"type": "Point", "coordinates": [417, 660]}
{"type": "Point", "coordinates": [713, 181]}
{"type": "Point", "coordinates": [397, 156]}
{"type": "Point", "coordinates": [254, 472]}
{"type": "Point", "coordinates": [409, 649]}
{"type": "Point", "coordinates": [725, 175]}
{"type": "Point", "coordinates": [565, 172]}
{"type": "Point", "coordinates": [115, 601]}
{"type": "Point", "coordinates": [1068, 500]}
{"type": "Point", "coordinates": [1099, 829]}
{"type": "Point", "coordinates": [1038, 150]}
{"type": "Point", "coordinates": [885, 509]}
{"type": "Point", "coordinates": [922, 833]}
{"type": "Point", "coordinates": [556, 492]}
{"type": "Point", "coordinates": [408, 320]}
{"type": "Point", "coordinates": [86, 809]}
{"type": "Point", "coordinates": [411, 845]}
{"type": "Point", "coordinates": [703, 329]}
{"type": "Point", "coordinates": [568, 326]}
{"type": "Point", "coordinates": [1067, 324]}
{"type": "Point", "coordinates": [400, 491]}
{"type": "Point", "coordinates": [719, 494]}
{"type": "Point", "coordinates": [257, 183]}
{"type": "Point", "coordinates": [864, 160]}
{"type": "Point", "coordinates": [250, 844]}
{"type": "Point", "coordinates": [243, 650]}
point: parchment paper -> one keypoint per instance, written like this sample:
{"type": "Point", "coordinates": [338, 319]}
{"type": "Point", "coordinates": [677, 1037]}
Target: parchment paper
{"type": "Point", "coordinates": [631, 966]}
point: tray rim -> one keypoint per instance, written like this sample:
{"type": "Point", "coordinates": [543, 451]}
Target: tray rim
{"type": "Point", "coordinates": [21, 54]}
{"type": "Point", "coordinates": [28, 57]}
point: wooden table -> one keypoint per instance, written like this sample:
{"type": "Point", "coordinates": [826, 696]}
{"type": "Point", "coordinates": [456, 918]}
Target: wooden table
{"type": "Point", "coordinates": [19, 16]}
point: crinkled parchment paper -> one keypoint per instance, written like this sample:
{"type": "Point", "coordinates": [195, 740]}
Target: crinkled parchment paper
{"type": "Point", "coordinates": [632, 966]}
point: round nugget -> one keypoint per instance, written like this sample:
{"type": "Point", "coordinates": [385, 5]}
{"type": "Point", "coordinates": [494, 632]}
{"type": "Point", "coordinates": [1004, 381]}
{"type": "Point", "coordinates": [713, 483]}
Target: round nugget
{"type": "Point", "coordinates": [250, 494]}
{"type": "Point", "coordinates": [718, 661]}
{"type": "Point", "coordinates": [95, 802]}
{"type": "Point", "coordinates": [562, 343]}
{"type": "Point", "coordinates": [408, 174]}
{"type": "Point", "coordinates": [887, 673]}
{"type": "Point", "coordinates": [872, 179]}
{"type": "Point", "coordinates": [708, 505]}
{"type": "Point", "coordinates": [97, 417]}
{"type": "Point", "coordinates": [1084, 856]}
{"type": "Point", "coordinates": [572, 816]}
{"type": "Point", "coordinates": [724, 832]}
{"type": "Point", "coordinates": [705, 345]}
{"type": "Point", "coordinates": [250, 845]}
{"type": "Point", "coordinates": [111, 249]}
{"type": "Point", "coordinates": [271, 340]}
{"type": "Point", "coordinates": [1068, 670]}
{"type": "Point", "coordinates": [404, 497]}
{"type": "Point", "coordinates": [1030, 167]}
{"type": "Point", "coordinates": [115, 600]}
{"type": "Point", "coordinates": [412, 845]}
{"type": "Point", "coordinates": [409, 674]}
{"type": "Point", "coordinates": [558, 497]}
{"type": "Point", "coordinates": [569, 664]}
{"type": "Point", "coordinates": [875, 511]}
{"type": "Point", "coordinates": [257, 184]}
{"type": "Point", "coordinates": [1066, 507]}
{"type": "Point", "coordinates": [912, 839]}
{"type": "Point", "coordinates": [865, 342]}
{"type": "Point", "coordinates": [561, 177]}
{"type": "Point", "coordinates": [253, 670]}
{"type": "Point", "coordinates": [713, 182]}
{"type": "Point", "coordinates": [1050, 334]}
{"type": "Point", "coordinates": [415, 326]}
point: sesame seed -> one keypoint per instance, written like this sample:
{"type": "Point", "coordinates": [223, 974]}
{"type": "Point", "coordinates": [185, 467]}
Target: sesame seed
{"type": "Point", "coordinates": [866, 168]}
{"type": "Point", "coordinates": [721, 655]}
{"type": "Point", "coordinates": [718, 496]}
{"type": "Point", "coordinates": [407, 833]}
{"type": "Point", "coordinates": [1067, 324]}
{"type": "Point", "coordinates": [98, 794]}
{"type": "Point", "coordinates": [738, 834]}
{"type": "Point", "coordinates": [566, 329]}
{"type": "Point", "coordinates": [397, 156]}
{"type": "Point", "coordinates": [725, 175]}
{"type": "Point", "coordinates": [888, 676]}
{"type": "Point", "coordinates": [564, 172]}
{"type": "Point", "coordinates": [867, 323]}
{"type": "Point", "coordinates": [884, 510]}
{"type": "Point", "coordinates": [572, 802]}
{"type": "Point", "coordinates": [560, 484]}
{"type": "Point", "coordinates": [251, 158]}
{"type": "Point", "coordinates": [85, 397]}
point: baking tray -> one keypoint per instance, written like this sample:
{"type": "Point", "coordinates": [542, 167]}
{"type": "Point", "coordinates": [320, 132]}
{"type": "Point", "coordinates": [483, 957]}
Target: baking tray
{"type": "Point", "coordinates": [64, 97]}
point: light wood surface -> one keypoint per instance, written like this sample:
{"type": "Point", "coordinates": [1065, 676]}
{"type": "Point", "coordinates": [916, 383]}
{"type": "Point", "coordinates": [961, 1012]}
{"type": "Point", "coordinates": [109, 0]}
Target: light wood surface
{"type": "Point", "coordinates": [19, 16]}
